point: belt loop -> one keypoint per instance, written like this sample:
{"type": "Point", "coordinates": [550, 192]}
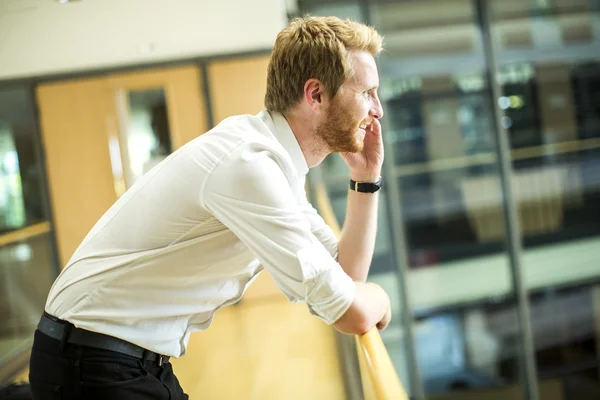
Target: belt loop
{"type": "Point", "coordinates": [65, 336]}
{"type": "Point", "coordinates": [145, 356]}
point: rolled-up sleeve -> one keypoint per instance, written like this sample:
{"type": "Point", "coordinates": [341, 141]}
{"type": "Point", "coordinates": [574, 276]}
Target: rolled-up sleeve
{"type": "Point", "coordinates": [249, 193]}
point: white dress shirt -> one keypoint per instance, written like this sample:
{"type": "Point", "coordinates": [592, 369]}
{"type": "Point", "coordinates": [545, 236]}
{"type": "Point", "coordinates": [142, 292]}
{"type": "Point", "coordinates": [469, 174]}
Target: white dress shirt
{"type": "Point", "coordinates": [191, 235]}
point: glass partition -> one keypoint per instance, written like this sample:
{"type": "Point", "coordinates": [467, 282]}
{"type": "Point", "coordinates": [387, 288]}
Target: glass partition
{"type": "Point", "coordinates": [333, 173]}
{"type": "Point", "coordinates": [551, 106]}
{"type": "Point", "coordinates": [27, 259]}
{"type": "Point", "coordinates": [440, 127]}
{"type": "Point", "coordinates": [22, 201]}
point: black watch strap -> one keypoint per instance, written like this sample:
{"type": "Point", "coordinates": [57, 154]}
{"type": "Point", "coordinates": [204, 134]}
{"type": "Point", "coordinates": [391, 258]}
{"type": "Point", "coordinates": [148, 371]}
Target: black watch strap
{"type": "Point", "coordinates": [366, 187]}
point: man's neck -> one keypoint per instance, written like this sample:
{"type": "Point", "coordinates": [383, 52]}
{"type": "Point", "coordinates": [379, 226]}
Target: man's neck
{"type": "Point", "coordinates": [303, 127]}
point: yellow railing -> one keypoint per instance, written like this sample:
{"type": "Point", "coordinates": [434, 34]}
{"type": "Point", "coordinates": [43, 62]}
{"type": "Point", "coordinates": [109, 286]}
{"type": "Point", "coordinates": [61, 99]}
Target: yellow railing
{"type": "Point", "coordinates": [525, 153]}
{"type": "Point", "coordinates": [379, 377]}
{"type": "Point", "coordinates": [25, 233]}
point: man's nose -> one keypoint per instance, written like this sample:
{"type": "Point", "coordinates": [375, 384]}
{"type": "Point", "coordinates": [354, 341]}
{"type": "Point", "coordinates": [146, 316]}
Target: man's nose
{"type": "Point", "coordinates": [377, 110]}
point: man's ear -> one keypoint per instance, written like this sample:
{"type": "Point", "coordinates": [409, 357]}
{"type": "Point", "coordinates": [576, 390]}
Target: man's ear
{"type": "Point", "coordinates": [314, 94]}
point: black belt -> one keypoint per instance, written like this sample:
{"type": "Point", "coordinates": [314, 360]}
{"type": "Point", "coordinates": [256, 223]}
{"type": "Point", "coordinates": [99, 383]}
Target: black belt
{"type": "Point", "coordinates": [55, 328]}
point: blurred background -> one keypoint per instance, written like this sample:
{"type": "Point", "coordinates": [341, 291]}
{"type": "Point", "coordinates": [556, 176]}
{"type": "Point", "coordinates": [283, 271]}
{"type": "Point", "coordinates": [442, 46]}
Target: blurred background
{"type": "Point", "coordinates": [489, 231]}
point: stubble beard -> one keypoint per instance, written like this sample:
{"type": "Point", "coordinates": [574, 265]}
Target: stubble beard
{"type": "Point", "coordinates": [340, 129]}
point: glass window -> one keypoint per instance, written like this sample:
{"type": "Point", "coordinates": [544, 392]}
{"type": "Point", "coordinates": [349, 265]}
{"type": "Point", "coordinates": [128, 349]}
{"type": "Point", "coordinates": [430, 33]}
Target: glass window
{"type": "Point", "coordinates": [440, 126]}
{"type": "Point", "coordinates": [21, 195]}
{"type": "Point", "coordinates": [146, 132]}
{"type": "Point", "coordinates": [27, 262]}
{"type": "Point", "coordinates": [552, 116]}
{"type": "Point", "coordinates": [11, 197]}
{"type": "Point", "coordinates": [440, 121]}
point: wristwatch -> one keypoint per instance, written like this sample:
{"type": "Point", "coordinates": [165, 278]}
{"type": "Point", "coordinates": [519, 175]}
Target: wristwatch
{"type": "Point", "coordinates": [366, 187]}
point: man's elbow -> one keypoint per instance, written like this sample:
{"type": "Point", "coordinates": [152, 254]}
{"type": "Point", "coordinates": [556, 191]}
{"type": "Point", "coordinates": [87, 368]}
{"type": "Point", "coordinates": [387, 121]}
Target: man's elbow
{"type": "Point", "coordinates": [367, 309]}
{"type": "Point", "coordinates": [355, 321]}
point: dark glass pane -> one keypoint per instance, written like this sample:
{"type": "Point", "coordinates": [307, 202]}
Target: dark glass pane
{"type": "Point", "coordinates": [552, 115]}
{"type": "Point", "coordinates": [439, 123]}
{"type": "Point", "coordinates": [440, 119]}
{"type": "Point", "coordinates": [22, 201]}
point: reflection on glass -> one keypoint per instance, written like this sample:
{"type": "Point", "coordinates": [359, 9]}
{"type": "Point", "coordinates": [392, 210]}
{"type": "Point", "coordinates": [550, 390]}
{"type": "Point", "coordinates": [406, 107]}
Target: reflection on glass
{"type": "Point", "coordinates": [26, 273]}
{"type": "Point", "coordinates": [441, 124]}
{"type": "Point", "coordinates": [440, 121]}
{"type": "Point", "coordinates": [11, 194]}
{"type": "Point", "coordinates": [147, 134]}
{"type": "Point", "coordinates": [554, 115]}
{"type": "Point", "coordinates": [21, 197]}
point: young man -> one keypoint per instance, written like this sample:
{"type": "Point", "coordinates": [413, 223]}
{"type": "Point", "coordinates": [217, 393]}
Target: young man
{"type": "Point", "coordinates": [191, 235]}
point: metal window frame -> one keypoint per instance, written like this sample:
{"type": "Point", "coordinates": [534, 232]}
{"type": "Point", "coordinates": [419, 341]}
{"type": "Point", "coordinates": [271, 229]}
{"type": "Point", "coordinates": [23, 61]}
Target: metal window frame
{"type": "Point", "coordinates": [513, 235]}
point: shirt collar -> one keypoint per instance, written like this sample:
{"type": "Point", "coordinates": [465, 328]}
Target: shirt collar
{"type": "Point", "coordinates": [277, 124]}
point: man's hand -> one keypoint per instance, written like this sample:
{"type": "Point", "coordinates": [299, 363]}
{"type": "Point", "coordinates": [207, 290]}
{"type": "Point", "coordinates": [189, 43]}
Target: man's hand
{"type": "Point", "coordinates": [357, 243]}
{"type": "Point", "coordinates": [381, 325]}
{"type": "Point", "coordinates": [365, 166]}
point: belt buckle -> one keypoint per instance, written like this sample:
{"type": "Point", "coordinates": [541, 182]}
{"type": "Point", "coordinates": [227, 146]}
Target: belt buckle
{"type": "Point", "coordinates": [161, 359]}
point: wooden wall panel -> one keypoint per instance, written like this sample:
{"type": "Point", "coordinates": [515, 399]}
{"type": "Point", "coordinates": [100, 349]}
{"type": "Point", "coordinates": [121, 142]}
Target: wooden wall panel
{"type": "Point", "coordinates": [238, 86]}
{"type": "Point", "coordinates": [75, 119]}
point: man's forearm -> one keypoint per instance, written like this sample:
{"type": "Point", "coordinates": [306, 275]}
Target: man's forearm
{"type": "Point", "coordinates": [356, 245]}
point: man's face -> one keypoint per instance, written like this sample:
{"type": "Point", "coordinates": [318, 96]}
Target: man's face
{"type": "Point", "coordinates": [353, 108]}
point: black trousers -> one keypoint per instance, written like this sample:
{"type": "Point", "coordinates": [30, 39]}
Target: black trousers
{"type": "Point", "coordinates": [81, 372]}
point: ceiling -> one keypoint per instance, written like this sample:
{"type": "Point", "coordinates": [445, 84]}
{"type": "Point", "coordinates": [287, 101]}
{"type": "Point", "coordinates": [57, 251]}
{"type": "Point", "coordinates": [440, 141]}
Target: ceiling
{"type": "Point", "coordinates": [40, 37]}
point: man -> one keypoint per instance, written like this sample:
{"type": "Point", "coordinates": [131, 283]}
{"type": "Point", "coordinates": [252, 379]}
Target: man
{"type": "Point", "coordinates": [191, 235]}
